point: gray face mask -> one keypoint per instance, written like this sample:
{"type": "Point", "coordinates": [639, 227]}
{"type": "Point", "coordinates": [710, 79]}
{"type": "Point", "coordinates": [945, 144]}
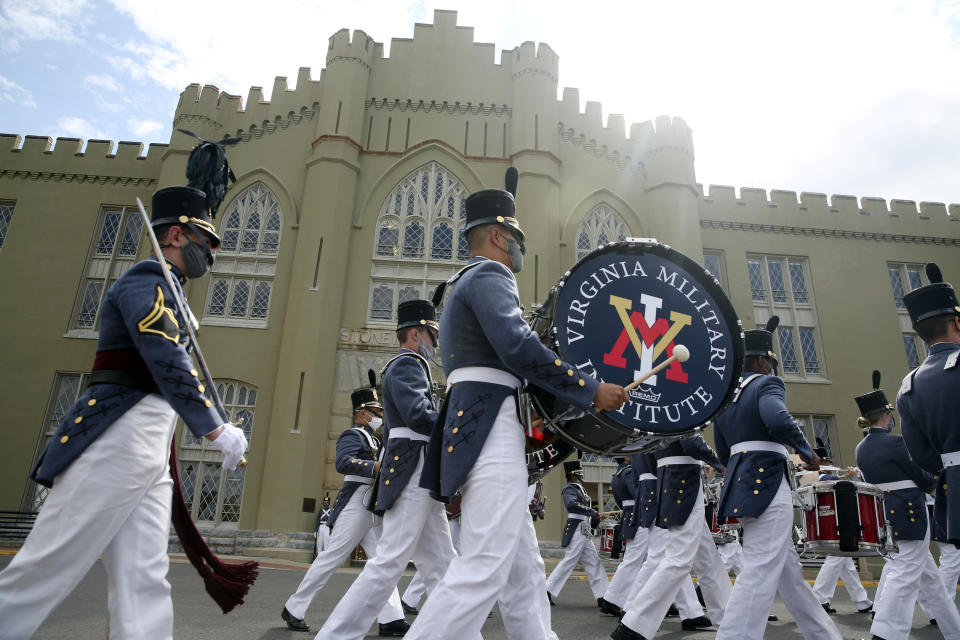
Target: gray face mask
{"type": "Point", "coordinates": [427, 350]}
{"type": "Point", "coordinates": [516, 255]}
{"type": "Point", "coordinates": [197, 259]}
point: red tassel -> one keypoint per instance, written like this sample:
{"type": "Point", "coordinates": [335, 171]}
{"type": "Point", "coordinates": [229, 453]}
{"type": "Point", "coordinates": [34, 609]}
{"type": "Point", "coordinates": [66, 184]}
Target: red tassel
{"type": "Point", "coordinates": [226, 583]}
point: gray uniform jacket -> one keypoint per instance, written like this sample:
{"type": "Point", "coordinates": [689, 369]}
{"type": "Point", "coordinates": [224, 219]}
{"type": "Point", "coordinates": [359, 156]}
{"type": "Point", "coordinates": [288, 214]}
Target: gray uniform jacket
{"type": "Point", "coordinates": [576, 500]}
{"type": "Point", "coordinates": [356, 456]}
{"type": "Point", "coordinates": [624, 486]}
{"type": "Point", "coordinates": [645, 510]}
{"type": "Point", "coordinates": [482, 326]}
{"type": "Point", "coordinates": [929, 406]}
{"type": "Point", "coordinates": [678, 485]}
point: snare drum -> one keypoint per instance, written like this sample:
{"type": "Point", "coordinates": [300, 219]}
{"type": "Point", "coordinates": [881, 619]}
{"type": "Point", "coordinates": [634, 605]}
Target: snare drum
{"type": "Point", "coordinates": [606, 537]}
{"type": "Point", "coordinates": [618, 313]}
{"type": "Point", "coordinates": [842, 518]}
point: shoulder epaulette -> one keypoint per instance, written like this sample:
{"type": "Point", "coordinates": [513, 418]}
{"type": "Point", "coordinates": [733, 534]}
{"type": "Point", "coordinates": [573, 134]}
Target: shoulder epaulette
{"type": "Point", "coordinates": [371, 441]}
{"type": "Point", "coordinates": [438, 295]}
{"type": "Point", "coordinates": [423, 363]}
{"type": "Point", "coordinates": [951, 360]}
{"type": "Point", "coordinates": [743, 385]}
{"type": "Point", "coordinates": [907, 385]}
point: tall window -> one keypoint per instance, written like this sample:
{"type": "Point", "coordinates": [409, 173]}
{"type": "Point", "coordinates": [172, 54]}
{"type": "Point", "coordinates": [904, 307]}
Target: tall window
{"type": "Point", "coordinates": [242, 276]}
{"type": "Point", "coordinates": [602, 225]}
{"type": "Point", "coordinates": [418, 241]}
{"type": "Point", "coordinates": [714, 264]}
{"type": "Point", "coordinates": [820, 431]}
{"type": "Point", "coordinates": [213, 494]}
{"type": "Point", "coordinates": [113, 250]}
{"type": "Point", "coordinates": [780, 286]}
{"type": "Point", "coordinates": [6, 214]}
{"type": "Point", "coordinates": [66, 388]}
{"type": "Point", "coordinates": [904, 278]}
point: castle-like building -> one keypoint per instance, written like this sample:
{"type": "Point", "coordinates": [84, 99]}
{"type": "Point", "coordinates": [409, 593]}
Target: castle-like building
{"type": "Point", "coordinates": [349, 200]}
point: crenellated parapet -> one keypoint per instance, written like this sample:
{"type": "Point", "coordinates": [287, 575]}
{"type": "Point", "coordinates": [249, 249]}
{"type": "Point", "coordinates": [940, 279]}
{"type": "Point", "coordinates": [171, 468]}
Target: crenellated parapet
{"type": "Point", "coordinates": [69, 161]}
{"type": "Point", "coordinates": [810, 213]}
{"type": "Point", "coordinates": [530, 60]}
{"type": "Point", "coordinates": [360, 49]}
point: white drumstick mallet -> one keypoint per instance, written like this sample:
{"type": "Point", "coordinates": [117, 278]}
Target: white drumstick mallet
{"type": "Point", "coordinates": [680, 354]}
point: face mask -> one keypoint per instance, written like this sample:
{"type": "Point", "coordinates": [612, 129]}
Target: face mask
{"type": "Point", "coordinates": [427, 350]}
{"type": "Point", "coordinates": [197, 259]}
{"type": "Point", "coordinates": [516, 255]}
{"type": "Point", "coordinates": [375, 423]}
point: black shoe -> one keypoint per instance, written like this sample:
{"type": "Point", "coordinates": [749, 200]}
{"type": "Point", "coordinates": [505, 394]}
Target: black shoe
{"type": "Point", "coordinates": [394, 629]}
{"type": "Point", "coordinates": [700, 596]}
{"type": "Point", "coordinates": [673, 612]}
{"type": "Point", "coordinates": [550, 598]}
{"type": "Point", "coordinates": [866, 610]}
{"type": "Point", "coordinates": [933, 622]}
{"type": "Point", "coordinates": [826, 607]}
{"type": "Point", "coordinates": [608, 608]}
{"type": "Point", "coordinates": [772, 618]}
{"type": "Point", "coordinates": [407, 609]}
{"type": "Point", "coordinates": [293, 623]}
{"type": "Point", "coordinates": [623, 632]}
{"type": "Point", "coordinates": [691, 624]}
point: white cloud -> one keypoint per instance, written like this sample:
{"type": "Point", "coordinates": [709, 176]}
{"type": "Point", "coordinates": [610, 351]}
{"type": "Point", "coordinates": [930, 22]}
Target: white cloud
{"type": "Point", "coordinates": [102, 81]}
{"type": "Point", "coordinates": [78, 128]}
{"type": "Point", "coordinates": [60, 20]}
{"type": "Point", "coordinates": [13, 93]}
{"type": "Point", "coordinates": [144, 128]}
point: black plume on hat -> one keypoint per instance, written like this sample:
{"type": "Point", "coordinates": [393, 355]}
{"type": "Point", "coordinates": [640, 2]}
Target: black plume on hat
{"type": "Point", "coordinates": [372, 376]}
{"type": "Point", "coordinates": [510, 180]}
{"type": "Point", "coordinates": [934, 274]}
{"type": "Point", "coordinates": [772, 323]}
{"type": "Point", "coordinates": [208, 170]}
{"type": "Point", "coordinates": [876, 378]}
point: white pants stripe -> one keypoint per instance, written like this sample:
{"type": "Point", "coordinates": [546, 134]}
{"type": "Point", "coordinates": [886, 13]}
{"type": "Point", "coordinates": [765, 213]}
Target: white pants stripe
{"type": "Point", "coordinates": [581, 549]}
{"type": "Point", "coordinates": [355, 525]}
{"type": "Point", "coordinates": [493, 515]}
{"type": "Point", "coordinates": [770, 563]}
{"type": "Point", "coordinates": [840, 568]}
{"type": "Point", "coordinates": [114, 502]}
{"type": "Point", "coordinates": [633, 556]}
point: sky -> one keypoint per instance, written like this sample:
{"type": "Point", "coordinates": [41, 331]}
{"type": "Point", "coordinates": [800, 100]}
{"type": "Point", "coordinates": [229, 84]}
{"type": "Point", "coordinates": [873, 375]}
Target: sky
{"type": "Point", "coordinates": [858, 97]}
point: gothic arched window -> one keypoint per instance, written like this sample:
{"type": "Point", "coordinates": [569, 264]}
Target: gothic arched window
{"type": "Point", "coordinates": [418, 241]}
{"type": "Point", "coordinates": [602, 225]}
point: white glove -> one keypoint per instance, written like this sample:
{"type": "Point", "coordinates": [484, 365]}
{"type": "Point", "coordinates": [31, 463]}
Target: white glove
{"type": "Point", "coordinates": [232, 443]}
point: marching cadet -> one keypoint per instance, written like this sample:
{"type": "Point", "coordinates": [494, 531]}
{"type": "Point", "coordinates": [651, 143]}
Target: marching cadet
{"type": "Point", "coordinates": [107, 465]}
{"type": "Point", "coordinates": [350, 522]}
{"type": "Point", "coordinates": [689, 545]}
{"type": "Point", "coordinates": [910, 570]}
{"type": "Point", "coordinates": [751, 437]}
{"type": "Point", "coordinates": [949, 560]}
{"type": "Point", "coordinates": [928, 402]}
{"type": "Point", "coordinates": [626, 488]}
{"type": "Point", "coordinates": [581, 517]}
{"type": "Point", "coordinates": [478, 445]}
{"type": "Point", "coordinates": [323, 531]}
{"type": "Point", "coordinates": [414, 524]}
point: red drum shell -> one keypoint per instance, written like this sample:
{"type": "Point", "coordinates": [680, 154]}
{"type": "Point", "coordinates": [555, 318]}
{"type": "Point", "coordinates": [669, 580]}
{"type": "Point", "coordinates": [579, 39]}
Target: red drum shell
{"type": "Point", "coordinates": [820, 523]}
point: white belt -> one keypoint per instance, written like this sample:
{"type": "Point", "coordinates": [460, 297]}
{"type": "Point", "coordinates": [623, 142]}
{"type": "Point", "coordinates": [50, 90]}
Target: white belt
{"type": "Point", "coordinates": [577, 516]}
{"type": "Point", "coordinates": [483, 374]}
{"type": "Point", "coordinates": [758, 445]}
{"type": "Point", "coordinates": [662, 462]}
{"type": "Point", "coordinates": [951, 459]}
{"type": "Point", "coordinates": [360, 479]}
{"type": "Point", "coordinates": [899, 484]}
{"type": "Point", "coordinates": [407, 433]}
{"type": "Point", "coordinates": [628, 503]}
{"type": "Point", "coordinates": [646, 476]}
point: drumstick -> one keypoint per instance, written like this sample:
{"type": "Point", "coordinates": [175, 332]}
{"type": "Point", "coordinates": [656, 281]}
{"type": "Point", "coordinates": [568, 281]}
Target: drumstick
{"type": "Point", "coordinates": [680, 354]}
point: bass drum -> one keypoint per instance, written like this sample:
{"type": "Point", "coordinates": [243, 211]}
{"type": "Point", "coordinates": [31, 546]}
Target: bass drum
{"type": "Point", "coordinates": [617, 314]}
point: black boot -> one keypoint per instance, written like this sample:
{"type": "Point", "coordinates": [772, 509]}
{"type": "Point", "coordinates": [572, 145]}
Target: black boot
{"type": "Point", "coordinates": [608, 607]}
{"type": "Point", "coordinates": [407, 609]}
{"type": "Point", "coordinates": [623, 632]}
{"type": "Point", "coordinates": [395, 628]}
{"type": "Point", "coordinates": [550, 598]}
{"type": "Point", "coordinates": [293, 623]}
{"type": "Point", "coordinates": [826, 607]}
{"type": "Point", "coordinates": [691, 624]}
{"type": "Point", "coordinates": [673, 612]}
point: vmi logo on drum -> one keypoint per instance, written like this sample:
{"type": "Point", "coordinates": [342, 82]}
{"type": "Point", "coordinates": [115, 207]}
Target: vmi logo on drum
{"type": "Point", "coordinates": [622, 310]}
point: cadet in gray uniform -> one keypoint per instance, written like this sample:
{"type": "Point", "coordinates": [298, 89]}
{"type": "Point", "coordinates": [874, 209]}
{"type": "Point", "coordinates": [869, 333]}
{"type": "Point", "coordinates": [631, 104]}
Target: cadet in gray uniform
{"type": "Point", "coordinates": [581, 516]}
{"type": "Point", "coordinates": [107, 464]}
{"type": "Point", "coordinates": [752, 435]}
{"type": "Point", "coordinates": [350, 522]}
{"type": "Point", "coordinates": [910, 571]}
{"type": "Point", "coordinates": [323, 529]}
{"type": "Point", "coordinates": [477, 446]}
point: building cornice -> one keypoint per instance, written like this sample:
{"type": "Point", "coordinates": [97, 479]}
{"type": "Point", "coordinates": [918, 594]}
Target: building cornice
{"type": "Point", "coordinates": [81, 178]}
{"type": "Point", "coordinates": [846, 234]}
{"type": "Point", "coordinates": [443, 106]}
{"type": "Point", "coordinates": [602, 152]}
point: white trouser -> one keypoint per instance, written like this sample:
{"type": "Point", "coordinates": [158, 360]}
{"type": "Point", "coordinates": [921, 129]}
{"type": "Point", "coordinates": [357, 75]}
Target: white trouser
{"type": "Point", "coordinates": [949, 567]}
{"type": "Point", "coordinates": [323, 534]}
{"type": "Point", "coordinates": [415, 527]}
{"type": "Point", "coordinates": [771, 564]}
{"type": "Point", "coordinates": [355, 525]}
{"type": "Point", "coordinates": [633, 556]}
{"type": "Point", "coordinates": [911, 572]}
{"type": "Point", "coordinates": [686, 596]}
{"type": "Point", "coordinates": [493, 514]}
{"type": "Point", "coordinates": [523, 600]}
{"type": "Point", "coordinates": [416, 589]}
{"type": "Point", "coordinates": [114, 502]}
{"type": "Point", "coordinates": [689, 546]}
{"type": "Point", "coordinates": [731, 555]}
{"type": "Point", "coordinates": [840, 568]}
{"type": "Point", "coordinates": [581, 549]}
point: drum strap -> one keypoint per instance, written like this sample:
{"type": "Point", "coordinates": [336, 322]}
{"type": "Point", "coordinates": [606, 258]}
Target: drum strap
{"type": "Point", "coordinates": [899, 484]}
{"type": "Point", "coordinates": [848, 515]}
{"type": "Point", "coordinates": [951, 459]}
{"type": "Point", "coordinates": [743, 385]}
{"type": "Point", "coordinates": [371, 441]}
{"type": "Point", "coordinates": [360, 479]}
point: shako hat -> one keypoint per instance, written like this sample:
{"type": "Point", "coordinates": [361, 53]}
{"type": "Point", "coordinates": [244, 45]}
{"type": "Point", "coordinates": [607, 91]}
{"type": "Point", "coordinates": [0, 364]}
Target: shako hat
{"type": "Point", "coordinates": [875, 401]}
{"type": "Point", "coordinates": [365, 398]}
{"type": "Point", "coordinates": [759, 342]}
{"type": "Point", "coordinates": [489, 206]}
{"type": "Point", "coordinates": [183, 205]}
{"type": "Point", "coordinates": [415, 313]}
{"type": "Point", "coordinates": [935, 299]}
{"type": "Point", "coordinates": [572, 467]}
